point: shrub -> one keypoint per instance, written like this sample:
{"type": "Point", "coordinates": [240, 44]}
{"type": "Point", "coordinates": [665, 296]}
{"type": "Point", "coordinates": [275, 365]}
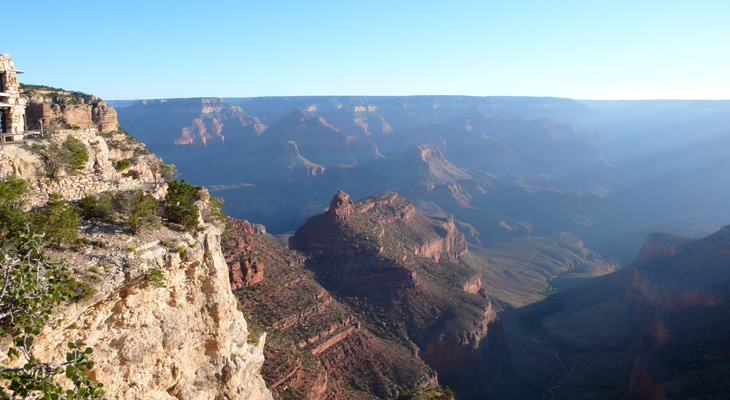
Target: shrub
{"type": "Point", "coordinates": [70, 156]}
{"type": "Point", "coordinates": [97, 207]}
{"type": "Point", "coordinates": [121, 165]}
{"type": "Point", "coordinates": [144, 213]}
{"type": "Point", "coordinates": [58, 220]}
{"type": "Point", "coordinates": [180, 204]}
{"type": "Point", "coordinates": [13, 193]}
{"type": "Point", "coordinates": [154, 278]}
{"type": "Point", "coordinates": [215, 210]}
{"type": "Point", "coordinates": [74, 155]}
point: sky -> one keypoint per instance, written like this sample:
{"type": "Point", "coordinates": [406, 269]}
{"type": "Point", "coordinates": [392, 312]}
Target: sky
{"type": "Point", "coordinates": [587, 49]}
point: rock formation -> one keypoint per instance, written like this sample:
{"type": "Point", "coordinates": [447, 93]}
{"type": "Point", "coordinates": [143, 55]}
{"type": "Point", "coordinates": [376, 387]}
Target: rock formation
{"type": "Point", "coordinates": [660, 245]}
{"type": "Point", "coordinates": [317, 347]}
{"type": "Point", "coordinates": [244, 267]}
{"type": "Point", "coordinates": [401, 271]}
{"type": "Point", "coordinates": [99, 174]}
{"type": "Point", "coordinates": [59, 108]}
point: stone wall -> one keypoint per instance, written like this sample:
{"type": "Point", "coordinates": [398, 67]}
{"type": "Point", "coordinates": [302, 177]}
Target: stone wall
{"type": "Point", "coordinates": [11, 104]}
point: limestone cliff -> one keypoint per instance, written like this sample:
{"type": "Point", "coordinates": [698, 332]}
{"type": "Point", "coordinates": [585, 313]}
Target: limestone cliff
{"type": "Point", "coordinates": [183, 339]}
{"type": "Point", "coordinates": [59, 108]}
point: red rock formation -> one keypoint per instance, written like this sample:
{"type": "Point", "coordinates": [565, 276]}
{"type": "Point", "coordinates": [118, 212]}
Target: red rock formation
{"type": "Point", "coordinates": [661, 245]}
{"type": "Point", "coordinates": [663, 297]}
{"type": "Point", "coordinates": [341, 206]}
{"type": "Point", "coordinates": [316, 347]}
{"type": "Point", "coordinates": [244, 268]}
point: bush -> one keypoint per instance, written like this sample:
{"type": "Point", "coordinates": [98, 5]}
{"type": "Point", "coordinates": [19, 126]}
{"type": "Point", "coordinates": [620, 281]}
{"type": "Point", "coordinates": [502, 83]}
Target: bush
{"type": "Point", "coordinates": [97, 207]}
{"type": "Point", "coordinates": [121, 165]}
{"type": "Point", "coordinates": [58, 220]}
{"type": "Point", "coordinates": [215, 210]}
{"type": "Point", "coordinates": [144, 213]}
{"type": "Point", "coordinates": [13, 192]}
{"type": "Point", "coordinates": [154, 278]}
{"type": "Point", "coordinates": [180, 204]}
{"type": "Point", "coordinates": [70, 156]}
{"type": "Point", "coordinates": [74, 155]}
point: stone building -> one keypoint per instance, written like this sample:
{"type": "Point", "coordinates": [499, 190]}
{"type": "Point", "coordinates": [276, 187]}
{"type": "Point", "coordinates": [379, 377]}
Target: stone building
{"type": "Point", "coordinates": [12, 106]}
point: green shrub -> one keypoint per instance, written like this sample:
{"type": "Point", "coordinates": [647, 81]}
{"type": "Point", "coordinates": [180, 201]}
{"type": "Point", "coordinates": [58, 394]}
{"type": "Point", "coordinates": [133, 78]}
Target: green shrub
{"type": "Point", "coordinates": [74, 155]}
{"type": "Point", "coordinates": [123, 164]}
{"type": "Point", "coordinates": [215, 210]}
{"type": "Point", "coordinates": [58, 220]}
{"type": "Point", "coordinates": [154, 278]}
{"type": "Point", "coordinates": [253, 337]}
{"type": "Point", "coordinates": [180, 249]}
{"type": "Point", "coordinates": [180, 204]}
{"type": "Point", "coordinates": [97, 207]}
{"type": "Point", "coordinates": [144, 213]}
{"type": "Point", "coordinates": [13, 193]}
{"type": "Point", "coordinates": [70, 156]}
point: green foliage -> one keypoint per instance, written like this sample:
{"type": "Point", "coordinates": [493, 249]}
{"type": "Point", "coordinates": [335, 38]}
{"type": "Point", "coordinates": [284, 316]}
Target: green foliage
{"type": "Point", "coordinates": [70, 156]}
{"type": "Point", "coordinates": [427, 393]}
{"type": "Point", "coordinates": [154, 278]}
{"type": "Point", "coordinates": [58, 220]}
{"type": "Point", "coordinates": [253, 336]}
{"type": "Point", "coordinates": [180, 204]}
{"type": "Point", "coordinates": [32, 287]}
{"type": "Point", "coordinates": [144, 213]}
{"type": "Point", "coordinates": [168, 171]}
{"type": "Point", "coordinates": [121, 165]}
{"type": "Point", "coordinates": [97, 207]}
{"type": "Point", "coordinates": [215, 210]}
{"type": "Point", "coordinates": [180, 249]}
{"type": "Point", "coordinates": [13, 193]}
{"type": "Point", "coordinates": [74, 154]}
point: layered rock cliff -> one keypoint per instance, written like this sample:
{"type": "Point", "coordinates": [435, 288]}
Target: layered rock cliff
{"type": "Point", "coordinates": [59, 108]}
{"type": "Point", "coordinates": [317, 347]}
{"type": "Point", "coordinates": [397, 269]}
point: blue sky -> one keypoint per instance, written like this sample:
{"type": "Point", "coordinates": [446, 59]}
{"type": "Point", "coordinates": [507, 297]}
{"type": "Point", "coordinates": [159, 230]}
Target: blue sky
{"type": "Point", "coordinates": [588, 49]}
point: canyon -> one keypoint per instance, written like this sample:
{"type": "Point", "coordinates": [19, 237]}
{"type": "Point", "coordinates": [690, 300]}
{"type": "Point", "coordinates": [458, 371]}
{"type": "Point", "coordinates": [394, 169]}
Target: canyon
{"type": "Point", "coordinates": [427, 242]}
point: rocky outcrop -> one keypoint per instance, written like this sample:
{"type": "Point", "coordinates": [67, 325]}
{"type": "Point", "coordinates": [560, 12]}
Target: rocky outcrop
{"type": "Point", "coordinates": [58, 108]}
{"type": "Point", "coordinates": [182, 339]}
{"type": "Point", "coordinates": [318, 348]}
{"type": "Point", "coordinates": [244, 267]}
{"type": "Point", "coordinates": [403, 270]}
{"type": "Point", "coordinates": [99, 174]}
{"type": "Point", "coordinates": [661, 245]}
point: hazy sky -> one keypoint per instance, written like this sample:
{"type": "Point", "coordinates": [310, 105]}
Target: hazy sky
{"type": "Point", "coordinates": [581, 49]}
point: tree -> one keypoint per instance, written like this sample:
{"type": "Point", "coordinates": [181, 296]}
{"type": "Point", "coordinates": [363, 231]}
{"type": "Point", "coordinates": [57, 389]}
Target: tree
{"type": "Point", "coordinates": [13, 193]}
{"type": "Point", "coordinates": [144, 213]}
{"type": "Point", "coordinates": [180, 204]}
{"type": "Point", "coordinates": [30, 288]}
{"type": "Point", "coordinates": [59, 220]}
